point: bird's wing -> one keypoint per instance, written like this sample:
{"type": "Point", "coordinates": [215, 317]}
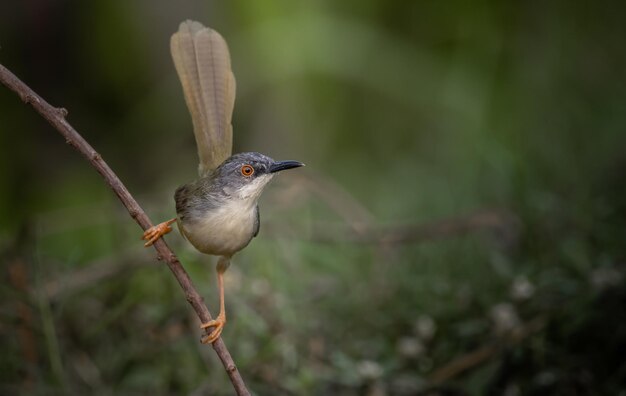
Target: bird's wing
{"type": "Point", "coordinates": [202, 61]}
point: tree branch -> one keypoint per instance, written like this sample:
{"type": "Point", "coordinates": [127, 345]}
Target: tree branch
{"type": "Point", "coordinates": [502, 223]}
{"type": "Point", "coordinates": [480, 355]}
{"type": "Point", "coordinates": [56, 117]}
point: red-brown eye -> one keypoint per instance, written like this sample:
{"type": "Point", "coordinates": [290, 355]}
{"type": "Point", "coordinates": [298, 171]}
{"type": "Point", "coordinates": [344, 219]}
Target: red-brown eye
{"type": "Point", "coordinates": [247, 170]}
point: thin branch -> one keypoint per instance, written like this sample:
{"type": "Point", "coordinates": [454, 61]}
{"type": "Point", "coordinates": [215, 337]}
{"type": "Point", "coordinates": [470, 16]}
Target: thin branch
{"type": "Point", "coordinates": [56, 117]}
{"type": "Point", "coordinates": [93, 274]}
{"type": "Point", "coordinates": [19, 279]}
{"type": "Point", "coordinates": [482, 354]}
{"type": "Point", "coordinates": [501, 223]}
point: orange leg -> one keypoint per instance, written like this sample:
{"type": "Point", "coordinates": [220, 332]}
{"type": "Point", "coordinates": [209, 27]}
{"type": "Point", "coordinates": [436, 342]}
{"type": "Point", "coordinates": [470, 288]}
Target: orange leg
{"type": "Point", "coordinates": [155, 232]}
{"type": "Point", "coordinates": [219, 322]}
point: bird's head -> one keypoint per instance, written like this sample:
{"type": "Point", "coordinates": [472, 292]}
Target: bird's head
{"type": "Point", "coordinates": [244, 175]}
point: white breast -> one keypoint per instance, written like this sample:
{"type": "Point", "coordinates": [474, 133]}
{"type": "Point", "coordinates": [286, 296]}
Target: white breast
{"type": "Point", "coordinates": [223, 231]}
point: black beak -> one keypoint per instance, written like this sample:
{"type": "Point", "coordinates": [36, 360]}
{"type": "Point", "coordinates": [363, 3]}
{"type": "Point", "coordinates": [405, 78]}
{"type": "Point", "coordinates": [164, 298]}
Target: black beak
{"type": "Point", "coordinates": [282, 165]}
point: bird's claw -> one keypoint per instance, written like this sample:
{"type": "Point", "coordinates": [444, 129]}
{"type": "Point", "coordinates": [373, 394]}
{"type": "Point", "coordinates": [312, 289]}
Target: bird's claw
{"type": "Point", "coordinates": [155, 232]}
{"type": "Point", "coordinates": [218, 323]}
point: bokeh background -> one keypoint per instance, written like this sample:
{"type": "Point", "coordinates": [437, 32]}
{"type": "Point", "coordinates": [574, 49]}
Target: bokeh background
{"type": "Point", "coordinates": [458, 229]}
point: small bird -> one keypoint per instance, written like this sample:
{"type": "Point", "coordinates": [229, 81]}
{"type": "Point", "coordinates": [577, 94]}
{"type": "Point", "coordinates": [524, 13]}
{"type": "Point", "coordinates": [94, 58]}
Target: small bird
{"type": "Point", "coordinates": [218, 213]}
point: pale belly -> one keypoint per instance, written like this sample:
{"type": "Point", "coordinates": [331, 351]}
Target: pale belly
{"type": "Point", "coordinates": [221, 232]}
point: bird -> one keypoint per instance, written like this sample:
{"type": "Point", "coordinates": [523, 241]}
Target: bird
{"type": "Point", "coordinates": [219, 212]}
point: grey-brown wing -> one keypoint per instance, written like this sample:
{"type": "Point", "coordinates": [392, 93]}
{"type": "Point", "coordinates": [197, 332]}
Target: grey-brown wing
{"type": "Point", "coordinates": [202, 62]}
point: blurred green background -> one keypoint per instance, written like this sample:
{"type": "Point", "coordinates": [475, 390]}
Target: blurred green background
{"type": "Point", "coordinates": [458, 229]}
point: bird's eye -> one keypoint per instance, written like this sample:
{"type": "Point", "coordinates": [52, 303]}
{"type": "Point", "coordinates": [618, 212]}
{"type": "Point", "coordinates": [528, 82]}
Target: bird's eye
{"type": "Point", "coordinates": [247, 170]}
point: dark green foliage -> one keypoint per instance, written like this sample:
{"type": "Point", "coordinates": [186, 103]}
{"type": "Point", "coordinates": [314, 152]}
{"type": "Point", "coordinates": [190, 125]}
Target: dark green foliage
{"type": "Point", "coordinates": [405, 113]}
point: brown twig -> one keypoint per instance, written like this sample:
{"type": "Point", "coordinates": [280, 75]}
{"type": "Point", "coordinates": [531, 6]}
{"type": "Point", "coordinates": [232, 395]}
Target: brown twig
{"type": "Point", "coordinates": [502, 223]}
{"type": "Point", "coordinates": [92, 274]}
{"type": "Point", "coordinates": [480, 355]}
{"type": "Point", "coordinates": [18, 277]}
{"type": "Point", "coordinates": [56, 117]}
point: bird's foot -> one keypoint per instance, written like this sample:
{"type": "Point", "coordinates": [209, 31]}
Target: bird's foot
{"type": "Point", "coordinates": [218, 323]}
{"type": "Point", "coordinates": [155, 232]}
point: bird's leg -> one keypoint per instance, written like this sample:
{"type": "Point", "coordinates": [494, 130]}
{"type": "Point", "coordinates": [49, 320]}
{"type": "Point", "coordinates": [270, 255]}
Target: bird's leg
{"type": "Point", "coordinates": [155, 232]}
{"type": "Point", "coordinates": [219, 322]}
